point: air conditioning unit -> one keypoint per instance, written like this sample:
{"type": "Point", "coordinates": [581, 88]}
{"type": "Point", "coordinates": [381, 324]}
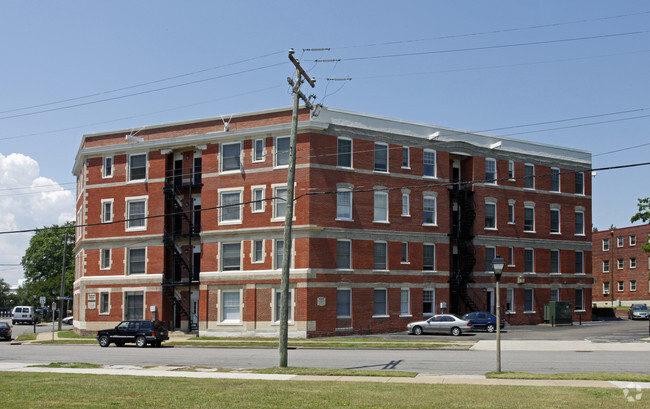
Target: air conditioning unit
{"type": "Point", "coordinates": [606, 292]}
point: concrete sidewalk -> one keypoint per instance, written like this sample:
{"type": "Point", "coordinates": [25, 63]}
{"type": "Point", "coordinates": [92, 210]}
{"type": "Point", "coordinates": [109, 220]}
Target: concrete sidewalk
{"type": "Point", "coordinates": [568, 345]}
{"type": "Point", "coordinates": [176, 372]}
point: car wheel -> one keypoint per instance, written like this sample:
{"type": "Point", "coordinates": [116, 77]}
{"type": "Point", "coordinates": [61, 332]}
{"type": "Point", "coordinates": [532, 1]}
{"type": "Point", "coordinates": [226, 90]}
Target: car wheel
{"type": "Point", "coordinates": [104, 341]}
{"type": "Point", "coordinates": [140, 342]}
{"type": "Point", "coordinates": [455, 331]}
{"type": "Point", "coordinates": [417, 330]}
{"type": "Point", "coordinates": [490, 328]}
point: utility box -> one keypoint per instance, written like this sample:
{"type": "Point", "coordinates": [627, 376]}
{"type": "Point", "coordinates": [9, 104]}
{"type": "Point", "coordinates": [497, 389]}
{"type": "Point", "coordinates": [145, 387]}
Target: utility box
{"type": "Point", "coordinates": [558, 312]}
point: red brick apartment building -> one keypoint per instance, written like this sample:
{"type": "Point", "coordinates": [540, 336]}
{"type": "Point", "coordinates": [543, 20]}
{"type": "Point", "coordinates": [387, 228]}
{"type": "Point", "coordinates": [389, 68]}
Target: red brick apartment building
{"type": "Point", "coordinates": [621, 268]}
{"type": "Point", "coordinates": [394, 221]}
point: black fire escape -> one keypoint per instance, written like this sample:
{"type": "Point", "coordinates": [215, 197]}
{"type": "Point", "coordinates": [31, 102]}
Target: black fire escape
{"type": "Point", "coordinates": [182, 227]}
{"type": "Point", "coordinates": [463, 255]}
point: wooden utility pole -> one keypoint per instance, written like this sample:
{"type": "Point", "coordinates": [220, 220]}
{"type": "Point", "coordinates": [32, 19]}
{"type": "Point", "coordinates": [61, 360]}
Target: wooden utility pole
{"type": "Point", "coordinates": [62, 294]}
{"type": "Point", "coordinates": [287, 247]}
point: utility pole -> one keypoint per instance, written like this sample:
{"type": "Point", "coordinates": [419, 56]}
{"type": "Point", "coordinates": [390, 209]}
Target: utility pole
{"type": "Point", "coordinates": [62, 294]}
{"type": "Point", "coordinates": [286, 250]}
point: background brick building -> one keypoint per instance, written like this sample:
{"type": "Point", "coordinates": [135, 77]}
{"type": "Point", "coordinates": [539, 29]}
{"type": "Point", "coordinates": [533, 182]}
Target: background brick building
{"type": "Point", "coordinates": [394, 221]}
{"type": "Point", "coordinates": [621, 268]}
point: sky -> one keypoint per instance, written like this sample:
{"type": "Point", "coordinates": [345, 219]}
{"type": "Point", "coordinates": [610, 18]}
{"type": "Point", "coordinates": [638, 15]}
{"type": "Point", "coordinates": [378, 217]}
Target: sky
{"type": "Point", "coordinates": [572, 74]}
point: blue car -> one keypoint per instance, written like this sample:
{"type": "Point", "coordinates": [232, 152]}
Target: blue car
{"type": "Point", "coordinates": [483, 321]}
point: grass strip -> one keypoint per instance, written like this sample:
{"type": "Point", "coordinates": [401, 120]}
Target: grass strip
{"type": "Point", "coordinates": [588, 376]}
{"type": "Point", "coordinates": [67, 365]}
{"type": "Point", "coordinates": [321, 344]}
{"type": "Point", "coordinates": [26, 337]}
{"type": "Point", "coordinates": [71, 334]}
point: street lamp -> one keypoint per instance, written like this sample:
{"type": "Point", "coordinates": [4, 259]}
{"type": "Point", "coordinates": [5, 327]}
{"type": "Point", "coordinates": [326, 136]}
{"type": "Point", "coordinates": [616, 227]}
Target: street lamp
{"type": "Point", "coordinates": [497, 266]}
{"type": "Point", "coordinates": [34, 315]}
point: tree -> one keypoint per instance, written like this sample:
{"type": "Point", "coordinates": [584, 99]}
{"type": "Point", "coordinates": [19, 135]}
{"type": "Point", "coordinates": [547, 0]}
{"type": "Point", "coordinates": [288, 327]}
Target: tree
{"type": "Point", "coordinates": [43, 259]}
{"type": "Point", "coordinates": [5, 295]}
{"type": "Point", "coordinates": [643, 215]}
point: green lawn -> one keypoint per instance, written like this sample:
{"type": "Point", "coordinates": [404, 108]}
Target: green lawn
{"type": "Point", "coordinates": [104, 391]}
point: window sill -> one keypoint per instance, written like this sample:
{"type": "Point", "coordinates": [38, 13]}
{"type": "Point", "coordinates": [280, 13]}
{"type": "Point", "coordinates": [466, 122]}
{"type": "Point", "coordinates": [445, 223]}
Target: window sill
{"type": "Point", "coordinates": [530, 312]}
{"type": "Point", "coordinates": [579, 235]}
{"type": "Point", "coordinates": [429, 224]}
{"type": "Point", "coordinates": [513, 223]}
{"type": "Point", "coordinates": [557, 233]}
{"type": "Point", "coordinates": [381, 222]}
{"type": "Point", "coordinates": [338, 219]}
{"type": "Point", "coordinates": [405, 262]}
{"type": "Point", "coordinates": [381, 316]}
{"type": "Point", "coordinates": [406, 215]}
{"type": "Point", "coordinates": [491, 228]}
{"type": "Point", "coordinates": [128, 229]}
{"type": "Point", "coordinates": [406, 316]}
{"type": "Point", "coordinates": [530, 231]}
{"type": "Point", "coordinates": [229, 222]}
{"type": "Point", "coordinates": [580, 311]}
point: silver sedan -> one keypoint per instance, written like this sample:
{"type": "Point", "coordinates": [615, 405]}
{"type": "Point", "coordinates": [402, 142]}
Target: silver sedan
{"type": "Point", "coordinates": [441, 323]}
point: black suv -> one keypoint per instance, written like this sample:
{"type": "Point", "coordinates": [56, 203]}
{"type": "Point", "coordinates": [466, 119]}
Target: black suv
{"type": "Point", "coordinates": [140, 332]}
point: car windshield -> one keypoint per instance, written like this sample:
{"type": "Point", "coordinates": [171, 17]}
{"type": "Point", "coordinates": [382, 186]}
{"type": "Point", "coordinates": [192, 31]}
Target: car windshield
{"type": "Point", "coordinates": [640, 307]}
{"type": "Point", "coordinates": [4, 325]}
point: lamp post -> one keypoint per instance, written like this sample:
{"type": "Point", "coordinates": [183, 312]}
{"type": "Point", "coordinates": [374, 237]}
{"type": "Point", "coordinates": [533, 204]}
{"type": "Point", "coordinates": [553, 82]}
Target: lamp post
{"type": "Point", "coordinates": [34, 316]}
{"type": "Point", "coordinates": [497, 266]}
{"type": "Point", "coordinates": [611, 266]}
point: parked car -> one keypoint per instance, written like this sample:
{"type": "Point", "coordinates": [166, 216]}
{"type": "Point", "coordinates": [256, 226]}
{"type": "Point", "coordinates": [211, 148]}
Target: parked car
{"type": "Point", "coordinates": [483, 321]}
{"type": "Point", "coordinates": [638, 311]}
{"type": "Point", "coordinates": [67, 320]}
{"type": "Point", "coordinates": [5, 330]}
{"type": "Point", "coordinates": [25, 314]}
{"type": "Point", "coordinates": [141, 332]}
{"type": "Point", "coordinates": [440, 323]}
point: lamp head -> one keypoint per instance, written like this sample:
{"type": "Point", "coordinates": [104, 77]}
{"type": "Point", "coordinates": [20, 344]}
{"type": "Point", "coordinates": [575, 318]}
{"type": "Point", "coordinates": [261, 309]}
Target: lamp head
{"type": "Point", "coordinates": [497, 264]}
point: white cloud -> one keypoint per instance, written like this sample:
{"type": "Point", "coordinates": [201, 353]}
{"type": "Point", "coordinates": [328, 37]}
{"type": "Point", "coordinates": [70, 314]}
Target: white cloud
{"type": "Point", "coordinates": [27, 201]}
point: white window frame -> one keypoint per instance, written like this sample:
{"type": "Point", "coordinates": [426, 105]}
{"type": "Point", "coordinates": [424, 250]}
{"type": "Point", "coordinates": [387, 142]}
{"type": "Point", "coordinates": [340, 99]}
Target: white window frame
{"type": "Point", "coordinates": [276, 151]}
{"type": "Point", "coordinates": [380, 214]}
{"type": "Point", "coordinates": [259, 158]}
{"type": "Point", "coordinates": [606, 266]}
{"type": "Point", "coordinates": [104, 203]}
{"type": "Point", "coordinates": [575, 217]}
{"type": "Point", "coordinates": [127, 216]}
{"type": "Point", "coordinates": [490, 175]}
{"type": "Point", "coordinates": [620, 241]}
{"type": "Point", "coordinates": [231, 191]}
{"type": "Point", "coordinates": [101, 303]}
{"type": "Point", "coordinates": [222, 307]}
{"type": "Point", "coordinates": [340, 194]}
{"type": "Point", "coordinates": [533, 227]}
{"type": "Point", "coordinates": [375, 313]}
{"type": "Point", "coordinates": [620, 264]}
{"type": "Point", "coordinates": [102, 259]}
{"type": "Point", "coordinates": [511, 212]}
{"type": "Point", "coordinates": [510, 299]}
{"type": "Point", "coordinates": [493, 205]}
{"type": "Point", "coordinates": [276, 201]}
{"type": "Point", "coordinates": [385, 145]}
{"type": "Point", "coordinates": [276, 258]}
{"type": "Point", "coordinates": [632, 240]}
{"type": "Point", "coordinates": [105, 174]}
{"type": "Point", "coordinates": [385, 244]}
{"type": "Point", "coordinates": [433, 301]}
{"type": "Point", "coordinates": [511, 256]}
{"type": "Point", "coordinates": [222, 255]}
{"type": "Point", "coordinates": [606, 288]}
{"type": "Point", "coordinates": [406, 205]}
{"type": "Point", "coordinates": [555, 209]}
{"type": "Point", "coordinates": [146, 168]}
{"type": "Point", "coordinates": [128, 256]}
{"type": "Point", "coordinates": [405, 302]}
{"type": "Point", "coordinates": [511, 170]}
{"type": "Point", "coordinates": [222, 159]}
{"type": "Point", "coordinates": [620, 286]}
{"type": "Point", "coordinates": [605, 245]}
{"type": "Point", "coordinates": [258, 206]}
{"type": "Point", "coordinates": [424, 163]}
{"type": "Point", "coordinates": [632, 285]}
{"type": "Point", "coordinates": [555, 294]}
{"type": "Point", "coordinates": [405, 253]}
{"type": "Point", "coordinates": [253, 260]}
{"type": "Point", "coordinates": [632, 263]}
{"type": "Point", "coordinates": [339, 154]}
{"type": "Point", "coordinates": [435, 210]}
{"type": "Point", "coordinates": [349, 246]}
{"type": "Point", "coordinates": [406, 151]}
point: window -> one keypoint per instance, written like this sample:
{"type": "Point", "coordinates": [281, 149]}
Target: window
{"type": "Point", "coordinates": [230, 256]}
{"type": "Point", "coordinates": [105, 259]}
{"type": "Point", "coordinates": [580, 223]}
{"type": "Point", "coordinates": [619, 263]}
{"type": "Point", "coordinates": [429, 257]}
{"type": "Point", "coordinates": [405, 302]}
{"type": "Point", "coordinates": [138, 167]}
{"type": "Point", "coordinates": [405, 204]}
{"type": "Point", "coordinates": [107, 170]}
{"type": "Point", "coordinates": [605, 266]}
{"type": "Point", "coordinates": [511, 170]}
{"type": "Point", "coordinates": [134, 306]}
{"type": "Point", "coordinates": [278, 303]}
{"type": "Point", "coordinates": [258, 251]}
{"type": "Point", "coordinates": [344, 154]}
{"type": "Point", "coordinates": [343, 254]}
{"type": "Point", "coordinates": [381, 207]}
{"type": "Point", "coordinates": [231, 157]}
{"type": "Point", "coordinates": [555, 261]}
{"type": "Point", "coordinates": [107, 211]}
{"type": "Point", "coordinates": [380, 304]}
{"type": "Point", "coordinates": [580, 183]}
{"type": "Point", "coordinates": [632, 240]}
{"type": "Point", "coordinates": [490, 171]}
{"type": "Point", "coordinates": [381, 157]}
{"type": "Point", "coordinates": [136, 212]}
{"type": "Point", "coordinates": [344, 204]}
{"type": "Point", "coordinates": [428, 302]}
{"type": "Point", "coordinates": [230, 309]}
{"type": "Point", "coordinates": [511, 256]}
{"type": "Point", "coordinates": [343, 303]}
{"type": "Point", "coordinates": [258, 150]}
{"type": "Point", "coordinates": [632, 262]}
{"type": "Point", "coordinates": [490, 255]}
{"type": "Point", "coordinates": [529, 300]}
{"type": "Point", "coordinates": [490, 215]}
{"type": "Point", "coordinates": [511, 213]}
{"type": "Point", "coordinates": [619, 241]}
{"type": "Point", "coordinates": [405, 157]}
{"type": "Point", "coordinates": [632, 285]}
{"type": "Point", "coordinates": [529, 176]}
{"type": "Point", "coordinates": [230, 207]}
{"type": "Point", "coordinates": [555, 180]}
{"type": "Point", "coordinates": [104, 303]}
{"type": "Point", "coordinates": [405, 253]}
{"type": "Point", "coordinates": [529, 219]}
{"type": "Point", "coordinates": [605, 244]}
{"type": "Point", "coordinates": [429, 210]}
{"type": "Point", "coordinates": [529, 261]}
{"type": "Point", "coordinates": [278, 254]}
{"type": "Point", "coordinates": [580, 299]}
{"type": "Point", "coordinates": [510, 300]}
{"type": "Point", "coordinates": [555, 220]}
{"type": "Point", "coordinates": [580, 262]}
{"type": "Point", "coordinates": [429, 162]}
{"type": "Point", "coordinates": [136, 262]}
{"type": "Point", "coordinates": [380, 256]}
{"type": "Point", "coordinates": [555, 294]}
{"type": "Point", "coordinates": [621, 286]}
{"type": "Point", "coordinates": [258, 199]}
{"type": "Point", "coordinates": [606, 287]}
{"type": "Point", "coordinates": [279, 202]}
{"type": "Point", "coordinates": [282, 148]}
